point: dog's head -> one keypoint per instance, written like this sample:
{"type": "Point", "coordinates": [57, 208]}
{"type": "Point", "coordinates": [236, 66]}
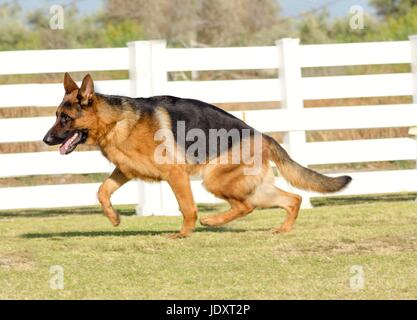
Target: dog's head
{"type": "Point", "coordinates": [75, 116]}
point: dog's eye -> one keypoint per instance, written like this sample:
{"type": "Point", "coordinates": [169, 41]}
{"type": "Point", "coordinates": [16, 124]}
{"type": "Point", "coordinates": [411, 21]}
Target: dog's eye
{"type": "Point", "coordinates": [65, 118]}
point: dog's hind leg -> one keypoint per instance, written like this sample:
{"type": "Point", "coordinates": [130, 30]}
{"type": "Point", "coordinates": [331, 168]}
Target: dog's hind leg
{"type": "Point", "coordinates": [230, 183]}
{"type": "Point", "coordinates": [110, 185]}
{"type": "Point", "coordinates": [237, 209]}
{"type": "Point", "coordinates": [291, 202]}
{"type": "Point", "coordinates": [268, 195]}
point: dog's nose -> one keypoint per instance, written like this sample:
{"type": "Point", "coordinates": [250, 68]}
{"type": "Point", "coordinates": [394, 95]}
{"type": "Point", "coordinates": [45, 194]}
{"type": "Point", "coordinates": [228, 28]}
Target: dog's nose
{"type": "Point", "coordinates": [48, 139]}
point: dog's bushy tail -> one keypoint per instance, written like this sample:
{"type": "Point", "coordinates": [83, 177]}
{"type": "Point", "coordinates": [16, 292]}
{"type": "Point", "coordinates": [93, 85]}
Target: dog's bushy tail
{"type": "Point", "coordinates": [301, 177]}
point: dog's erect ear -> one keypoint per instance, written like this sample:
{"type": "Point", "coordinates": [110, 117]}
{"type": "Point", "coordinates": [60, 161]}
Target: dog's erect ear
{"type": "Point", "coordinates": [86, 91]}
{"type": "Point", "coordinates": [69, 84]}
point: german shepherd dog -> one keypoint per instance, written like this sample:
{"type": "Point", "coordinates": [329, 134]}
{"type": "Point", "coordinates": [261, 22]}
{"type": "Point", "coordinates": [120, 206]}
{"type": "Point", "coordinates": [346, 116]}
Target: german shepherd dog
{"type": "Point", "coordinates": [126, 130]}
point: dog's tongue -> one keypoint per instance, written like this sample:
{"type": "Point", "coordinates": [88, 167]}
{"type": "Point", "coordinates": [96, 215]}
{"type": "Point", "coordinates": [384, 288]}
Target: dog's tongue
{"type": "Point", "coordinates": [67, 144]}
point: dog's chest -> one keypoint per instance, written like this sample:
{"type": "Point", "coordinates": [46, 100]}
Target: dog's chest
{"type": "Point", "coordinates": [132, 164]}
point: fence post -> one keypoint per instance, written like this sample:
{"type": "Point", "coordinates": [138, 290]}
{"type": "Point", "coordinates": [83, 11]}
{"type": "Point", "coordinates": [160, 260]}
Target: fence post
{"type": "Point", "coordinates": [413, 43]}
{"type": "Point", "coordinates": [148, 77]}
{"type": "Point", "coordinates": [291, 99]}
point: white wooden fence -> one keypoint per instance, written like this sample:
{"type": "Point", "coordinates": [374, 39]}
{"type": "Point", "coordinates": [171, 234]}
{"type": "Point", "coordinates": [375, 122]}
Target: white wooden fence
{"type": "Point", "coordinates": [149, 62]}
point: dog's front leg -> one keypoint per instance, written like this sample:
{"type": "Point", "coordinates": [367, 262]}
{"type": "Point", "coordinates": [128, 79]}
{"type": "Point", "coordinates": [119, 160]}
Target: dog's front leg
{"type": "Point", "coordinates": [110, 185]}
{"type": "Point", "coordinates": [179, 182]}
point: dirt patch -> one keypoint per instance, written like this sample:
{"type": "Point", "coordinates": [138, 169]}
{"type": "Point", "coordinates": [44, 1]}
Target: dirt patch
{"type": "Point", "coordinates": [384, 244]}
{"type": "Point", "coordinates": [21, 261]}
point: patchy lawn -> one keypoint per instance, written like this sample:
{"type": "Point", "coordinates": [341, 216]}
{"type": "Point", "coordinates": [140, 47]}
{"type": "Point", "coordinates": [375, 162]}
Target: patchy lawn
{"type": "Point", "coordinates": [321, 258]}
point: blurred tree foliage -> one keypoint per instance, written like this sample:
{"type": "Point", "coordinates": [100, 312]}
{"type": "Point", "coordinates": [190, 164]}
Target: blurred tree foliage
{"type": "Point", "coordinates": [198, 23]}
{"type": "Point", "coordinates": [206, 22]}
{"type": "Point", "coordinates": [14, 34]}
{"type": "Point", "coordinates": [393, 8]}
{"type": "Point", "coordinates": [320, 28]}
{"type": "Point", "coordinates": [398, 27]}
{"type": "Point", "coordinates": [396, 20]}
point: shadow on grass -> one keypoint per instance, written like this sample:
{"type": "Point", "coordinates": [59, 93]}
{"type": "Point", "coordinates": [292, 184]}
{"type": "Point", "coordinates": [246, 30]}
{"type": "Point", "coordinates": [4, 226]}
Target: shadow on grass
{"type": "Point", "coordinates": [362, 199]}
{"type": "Point", "coordinates": [126, 233]}
{"type": "Point", "coordinates": [45, 213]}
{"type": "Point", "coordinates": [92, 210]}
{"type": "Point", "coordinates": [206, 208]}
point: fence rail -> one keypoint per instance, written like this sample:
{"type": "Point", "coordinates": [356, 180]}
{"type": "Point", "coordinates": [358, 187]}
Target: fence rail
{"type": "Point", "coordinates": [149, 63]}
{"type": "Point", "coordinates": [64, 60]}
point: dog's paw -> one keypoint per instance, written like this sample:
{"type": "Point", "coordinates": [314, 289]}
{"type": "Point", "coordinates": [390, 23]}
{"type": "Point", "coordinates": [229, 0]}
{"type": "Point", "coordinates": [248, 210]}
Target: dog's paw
{"type": "Point", "coordinates": [178, 235]}
{"type": "Point", "coordinates": [114, 218]}
{"type": "Point", "coordinates": [207, 222]}
{"type": "Point", "coordinates": [282, 229]}
{"type": "Point", "coordinates": [115, 222]}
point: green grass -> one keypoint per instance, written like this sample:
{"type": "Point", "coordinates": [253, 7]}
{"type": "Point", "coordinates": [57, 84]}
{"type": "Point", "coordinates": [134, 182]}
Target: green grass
{"type": "Point", "coordinates": [240, 261]}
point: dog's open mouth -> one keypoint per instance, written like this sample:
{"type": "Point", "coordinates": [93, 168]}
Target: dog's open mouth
{"type": "Point", "coordinates": [72, 142]}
